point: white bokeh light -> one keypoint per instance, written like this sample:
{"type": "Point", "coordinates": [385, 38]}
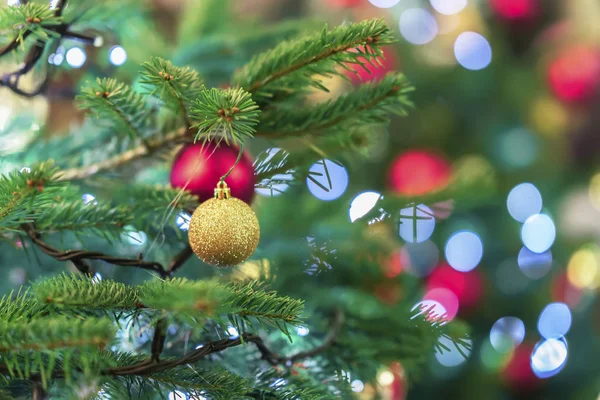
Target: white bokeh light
{"type": "Point", "coordinates": [416, 223]}
{"type": "Point", "coordinates": [357, 386]}
{"type": "Point", "coordinates": [431, 308]}
{"type": "Point", "coordinates": [178, 395]}
{"type": "Point", "coordinates": [549, 357]}
{"type": "Point", "coordinates": [418, 26]}
{"type": "Point", "coordinates": [88, 198]}
{"type": "Point", "coordinates": [136, 238]}
{"type": "Point", "coordinates": [507, 333]}
{"type": "Point", "coordinates": [452, 357]}
{"type": "Point", "coordinates": [534, 265]}
{"type": "Point", "coordinates": [384, 3]}
{"type": "Point", "coordinates": [97, 278]}
{"type": "Point", "coordinates": [276, 185]}
{"type": "Point", "coordinates": [183, 221]}
{"type": "Point", "coordinates": [448, 7]}
{"type": "Point", "coordinates": [555, 321]}
{"type": "Point", "coordinates": [523, 201]}
{"type": "Point", "coordinates": [362, 204]}
{"type": "Point", "coordinates": [302, 331]}
{"type": "Point", "coordinates": [13, 2]}
{"type": "Point", "coordinates": [538, 233]}
{"type": "Point", "coordinates": [233, 332]}
{"type": "Point", "coordinates": [75, 57]}
{"type": "Point", "coordinates": [331, 182]}
{"type": "Point", "coordinates": [464, 251]}
{"type": "Point", "coordinates": [117, 55]}
{"type": "Point", "coordinates": [472, 51]}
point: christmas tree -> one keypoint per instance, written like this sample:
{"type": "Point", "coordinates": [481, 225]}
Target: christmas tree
{"type": "Point", "coordinates": [114, 304]}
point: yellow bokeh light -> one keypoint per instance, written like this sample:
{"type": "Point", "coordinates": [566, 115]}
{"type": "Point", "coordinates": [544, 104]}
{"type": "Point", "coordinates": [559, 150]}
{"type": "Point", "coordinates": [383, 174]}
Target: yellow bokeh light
{"type": "Point", "coordinates": [582, 270]}
{"type": "Point", "coordinates": [385, 378]}
{"type": "Point", "coordinates": [252, 270]}
{"type": "Point", "coordinates": [594, 191]}
{"type": "Point", "coordinates": [549, 117]}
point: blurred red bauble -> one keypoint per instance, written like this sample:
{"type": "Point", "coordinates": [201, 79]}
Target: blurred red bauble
{"type": "Point", "coordinates": [466, 286]}
{"type": "Point", "coordinates": [375, 71]}
{"type": "Point", "coordinates": [515, 10]}
{"type": "Point", "coordinates": [418, 172]}
{"type": "Point", "coordinates": [199, 169]}
{"type": "Point", "coordinates": [346, 3]}
{"type": "Point", "coordinates": [518, 374]}
{"type": "Point", "coordinates": [574, 75]}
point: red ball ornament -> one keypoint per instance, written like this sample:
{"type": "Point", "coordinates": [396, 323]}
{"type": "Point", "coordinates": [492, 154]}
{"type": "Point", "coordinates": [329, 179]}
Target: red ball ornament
{"type": "Point", "coordinates": [418, 172]}
{"type": "Point", "coordinates": [518, 374]}
{"type": "Point", "coordinates": [346, 3]}
{"type": "Point", "coordinates": [198, 168]}
{"type": "Point", "coordinates": [466, 286]}
{"type": "Point", "coordinates": [574, 75]}
{"type": "Point", "coordinates": [515, 10]}
{"type": "Point", "coordinates": [372, 71]}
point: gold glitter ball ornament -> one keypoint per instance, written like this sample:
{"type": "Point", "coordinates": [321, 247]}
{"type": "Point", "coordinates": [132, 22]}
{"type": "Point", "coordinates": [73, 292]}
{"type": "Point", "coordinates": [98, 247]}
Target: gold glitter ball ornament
{"type": "Point", "coordinates": [223, 231]}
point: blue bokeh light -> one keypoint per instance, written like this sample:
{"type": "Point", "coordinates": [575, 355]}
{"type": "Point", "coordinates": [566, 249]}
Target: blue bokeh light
{"type": "Point", "coordinates": [472, 51]}
{"type": "Point", "coordinates": [423, 257]}
{"type": "Point", "coordinates": [331, 182]}
{"type": "Point", "coordinates": [384, 3]}
{"type": "Point", "coordinates": [448, 7]}
{"type": "Point", "coordinates": [534, 265]}
{"type": "Point", "coordinates": [507, 333]}
{"type": "Point", "coordinates": [523, 201]}
{"type": "Point", "coordinates": [464, 251]}
{"type": "Point", "coordinates": [117, 55]}
{"type": "Point", "coordinates": [555, 321]}
{"type": "Point", "coordinates": [418, 26]}
{"type": "Point", "coordinates": [419, 229]}
{"type": "Point", "coordinates": [452, 357]}
{"type": "Point", "coordinates": [276, 185]}
{"type": "Point", "coordinates": [538, 233]}
{"type": "Point", "coordinates": [549, 357]}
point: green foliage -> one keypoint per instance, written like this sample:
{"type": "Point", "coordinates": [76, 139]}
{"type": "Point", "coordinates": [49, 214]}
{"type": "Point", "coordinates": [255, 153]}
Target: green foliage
{"type": "Point", "coordinates": [228, 114]}
{"type": "Point", "coordinates": [24, 193]}
{"type": "Point", "coordinates": [294, 66]}
{"type": "Point", "coordinates": [117, 105]}
{"type": "Point", "coordinates": [79, 291]}
{"type": "Point", "coordinates": [370, 104]}
{"type": "Point", "coordinates": [30, 18]}
{"type": "Point", "coordinates": [291, 385]}
{"type": "Point", "coordinates": [55, 333]}
{"type": "Point", "coordinates": [176, 86]}
{"type": "Point", "coordinates": [20, 307]}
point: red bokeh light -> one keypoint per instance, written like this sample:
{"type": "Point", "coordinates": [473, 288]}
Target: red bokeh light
{"type": "Point", "coordinates": [466, 286]}
{"type": "Point", "coordinates": [418, 172]}
{"type": "Point", "coordinates": [518, 373]}
{"type": "Point", "coordinates": [446, 298]}
{"type": "Point", "coordinates": [574, 75]}
{"type": "Point", "coordinates": [374, 71]}
{"type": "Point", "coordinates": [563, 291]}
{"type": "Point", "coordinates": [515, 10]}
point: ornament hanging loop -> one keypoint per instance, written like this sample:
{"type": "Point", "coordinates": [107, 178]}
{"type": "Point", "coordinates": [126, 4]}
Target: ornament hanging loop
{"type": "Point", "coordinates": [222, 191]}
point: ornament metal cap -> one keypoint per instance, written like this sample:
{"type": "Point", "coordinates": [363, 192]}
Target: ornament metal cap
{"type": "Point", "coordinates": [222, 191]}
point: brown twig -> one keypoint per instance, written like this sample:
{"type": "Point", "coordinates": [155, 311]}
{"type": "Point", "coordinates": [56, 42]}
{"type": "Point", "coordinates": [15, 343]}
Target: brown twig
{"type": "Point", "coordinates": [38, 392]}
{"type": "Point", "coordinates": [179, 260]}
{"type": "Point", "coordinates": [158, 341]}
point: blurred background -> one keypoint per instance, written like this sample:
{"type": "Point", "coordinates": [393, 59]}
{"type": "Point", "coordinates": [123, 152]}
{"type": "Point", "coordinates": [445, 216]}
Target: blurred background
{"type": "Point", "coordinates": [505, 88]}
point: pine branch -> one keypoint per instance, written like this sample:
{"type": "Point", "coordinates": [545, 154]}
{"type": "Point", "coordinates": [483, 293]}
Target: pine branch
{"type": "Point", "coordinates": [78, 291]}
{"type": "Point", "coordinates": [369, 104]}
{"type": "Point", "coordinates": [55, 333]}
{"type": "Point", "coordinates": [118, 105]}
{"type": "Point", "coordinates": [176, 86]}
{"type": "Point", "coordinates": [229, 113]}
{"type": "Point", "coordinates": [29, 19]}
{"type": "Point", "coordinates": [295, 65]}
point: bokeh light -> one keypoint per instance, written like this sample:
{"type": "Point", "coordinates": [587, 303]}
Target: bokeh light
{"type": "Point", "coordinates": [534, 265]}
{"type": "Point", "coordinates": [384, 3]}
{"type": "Point", "coordinates": [518, 148]}
{"type": "Point", "coordinates": [362, 204]}
{"type": "Point", "coordinates": [416, 223]}
{"type": "Point", "coordinates": [232, 331]}
{"type": "Point", "coordinates": [183, 221]}
{"type": "Point", "coordinates": [464, 251]}
{"type": "Point", "coordinates": [448, 7]}
{"type": "Point", "coordinates": [507, 333]}
{"type": "Point", "coordinates": [385, 377]}
{"type": "Point", "coordinates": [466, 286]}
{"type": "Point", "coordinates": [582, 270]}
{"type": "Point", "coordinates": [574, 75]}
{"type": "Point", "coordinates": [513, 10]}
{"type": "Point", "coordinates": [75, 57]}
{"type": "Point", "coordinates": [422, 257]}
{"type": "Point", "coordinates": [178, 395]}
{"type": "Point", "coordinates": [594, 191]}
{"type": "Point", "coordinates": [554, 321]}
{"type": "Point", "coordinates": [418, 172]}
{"type": "Point", "coordinates": [327, 180]}
{"type": "Point", "coordinates": [446, 298]}
{"type": "Point", "coordinates": [452, 357]}
{"type": "Point", "coordinates": [491, 358]}
{"type": "Point", "coordinates": [88, 198]}
{"type": "Point", "coordinates": [418, 26]}
{"type": "Point", "coordinates": [276, 185]}
{"type": "Point", "coordinates": [302, 331]}
{"type": "Point", "coordinates": [538, 233]}
{"type": "Point", "coordinates": [549, 357]}
{"type": "Point", "coordinates": [524, 200]}
{"type": "Point", "coordinates": [357, 386]}
{"type": "Point", "coordinates": [432, 309]}
{"type": "Point", "coordinates": [136, 238]}
{"type": "Point", "coordinates": [472, 51]}
{"type": "Point", "coordinates": [117, 55]}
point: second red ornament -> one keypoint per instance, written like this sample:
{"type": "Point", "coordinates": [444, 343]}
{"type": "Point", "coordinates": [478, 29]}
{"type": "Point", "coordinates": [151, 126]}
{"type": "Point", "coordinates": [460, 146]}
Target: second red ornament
{"type": "Point", "coordinates": [198, 168]}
